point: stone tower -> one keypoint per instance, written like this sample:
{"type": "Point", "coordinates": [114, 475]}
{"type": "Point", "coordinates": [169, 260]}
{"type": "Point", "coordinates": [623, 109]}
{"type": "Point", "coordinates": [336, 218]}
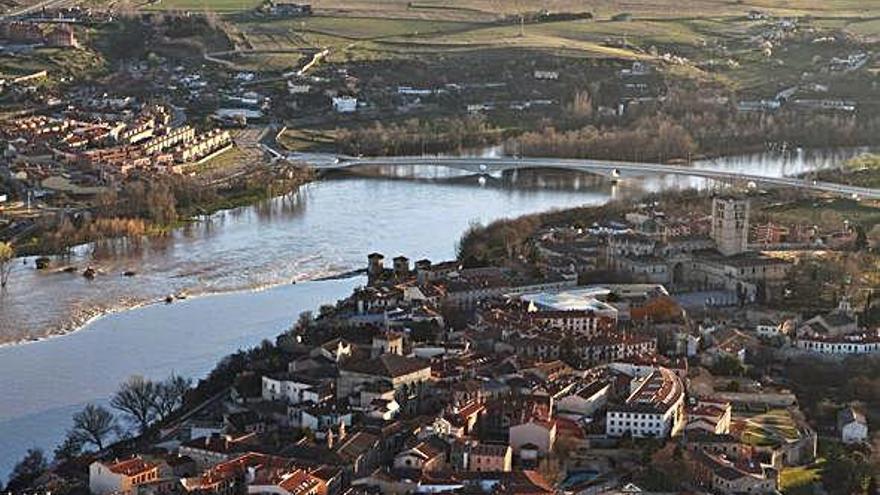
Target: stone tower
{"type": "Point", "coordinates": [375, 265]}
{"type": "Point", "coordinates": [401, 267]}
{"type": "Point", "coordinates": [730, 224]}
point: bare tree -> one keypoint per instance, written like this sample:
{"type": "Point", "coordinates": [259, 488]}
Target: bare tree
{"type": "Point", "coordinates": [94, 425]}
{"type": "Point", "coordinates": [69, 449]}
{"type": "Point", "coordinates": [7, 256]}
{"type": "Point", "coordinates": [170, 394]}
{"type": "Point", "coordinates": [582, 104]}
{"type": "Point", "coordinates": [136, 397]}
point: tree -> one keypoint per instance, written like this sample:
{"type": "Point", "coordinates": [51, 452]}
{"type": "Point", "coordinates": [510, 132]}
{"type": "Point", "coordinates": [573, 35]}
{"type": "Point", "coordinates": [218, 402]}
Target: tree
{"type": "Point", "coordinates": [170, 394]}
{"type": "Point", "coordinates": [69, 449]}
{"type": "Point", "coordinates": [161, 204]}
{"type": "Point", "coordinates": [93, 425]}
{"type": "Point", "coordinates": [136, 397]}
{"type": "Point", "coordinates": [31, 467]}
{"type": "Point", "coordinates": [727, 365]}
{"type": "Point", "coordinates": [582, 105]}
{"type": "Point", "coordinates": [846, 473]}
{"type": "Point", "coordinates": [861, 241]}
{"type": "Point", "coordinates": [7, 257]}
{"type": "Point", "coordinates": [872, 486]}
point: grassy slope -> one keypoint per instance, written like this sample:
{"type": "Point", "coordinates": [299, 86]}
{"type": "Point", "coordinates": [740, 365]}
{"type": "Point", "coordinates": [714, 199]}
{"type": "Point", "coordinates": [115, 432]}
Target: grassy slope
{"type": "Point", "coordinates": [799, 479]}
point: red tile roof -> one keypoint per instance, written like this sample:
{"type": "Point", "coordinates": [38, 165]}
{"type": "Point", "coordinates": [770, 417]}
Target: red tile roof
{"type": "Point", "coordinates": [131, 467]}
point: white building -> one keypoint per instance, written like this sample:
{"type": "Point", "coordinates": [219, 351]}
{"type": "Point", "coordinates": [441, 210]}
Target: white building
{"type": "Point", "coordinates": [863, 343]}
{"type": "Point", "coordinates": [121, 477]}
{"type": "Point", "coordinates": [344, 104]}
{"type": "Point", "coordinates": [768, 329]}
{"type": "Point", "coordinates": [852, 426]}
{"type": "Point", "coordinates": [581, 305]}
{"type": "Point", "coordinates": [292, 389]}
{"type": "Point", "coordinates": [710, 416]}
{"type": "Point", "coordinates": [551, 75]}
{"type": "Point", "coordinates": [654, 409]}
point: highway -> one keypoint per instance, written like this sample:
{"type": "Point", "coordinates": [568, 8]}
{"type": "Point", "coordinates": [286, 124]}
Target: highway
{"type": "Point", "coordinates": [605, 167]}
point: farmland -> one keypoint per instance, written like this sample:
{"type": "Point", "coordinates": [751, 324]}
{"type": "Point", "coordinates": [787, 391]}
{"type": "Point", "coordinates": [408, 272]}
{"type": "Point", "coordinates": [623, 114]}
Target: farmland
{"type": "Point", "coordinates": [714, 40]}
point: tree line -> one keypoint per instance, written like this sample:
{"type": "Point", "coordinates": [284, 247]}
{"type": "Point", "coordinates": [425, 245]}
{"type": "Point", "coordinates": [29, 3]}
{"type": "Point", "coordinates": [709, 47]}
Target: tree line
{"type": "Point", "coordinates": [688, 122]}
{"type": "Point", "coordinates": [145, 205]}
{"type": "Point", "coordinates": [417, 136]}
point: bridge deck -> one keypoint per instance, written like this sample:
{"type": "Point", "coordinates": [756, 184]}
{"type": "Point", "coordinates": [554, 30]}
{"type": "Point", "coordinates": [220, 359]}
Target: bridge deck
{"type": "Point", "coordinates": [488, 165]}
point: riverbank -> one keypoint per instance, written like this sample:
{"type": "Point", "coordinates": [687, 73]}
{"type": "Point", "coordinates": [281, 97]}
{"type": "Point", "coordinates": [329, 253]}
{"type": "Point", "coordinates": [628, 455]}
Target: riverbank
{"type": "Point", "coordinates": [80, 323]}
{"type": "Point", "coordinates": [142, 208]}
{"type": "Point", "coordinates": [862, 171]}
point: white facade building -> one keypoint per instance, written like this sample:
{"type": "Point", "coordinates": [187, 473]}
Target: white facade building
{"type": "Point", "coordinates": [290, 389]}
{"type": "Point", "coordinates": [852, 425]}
{"type": "Point", "coordinates": [121, 477]}
{"type": "Point", "coordinates": [655, 409]}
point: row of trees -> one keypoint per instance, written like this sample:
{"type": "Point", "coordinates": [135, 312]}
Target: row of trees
{"type": "Point", "coordinates": [686, 122]}
{"type": "Point", "coordinates": [144, 401]}
{"type": "Point", "coordinates": [142, 206]}
{"type": "Point", "coordinates": [655, 138]}
{"type": "Point", "coordinates": [417, 136]}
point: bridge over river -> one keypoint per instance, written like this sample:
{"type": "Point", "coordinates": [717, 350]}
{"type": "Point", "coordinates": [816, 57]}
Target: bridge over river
{"type": "Point", "coordinates": [612, 169]}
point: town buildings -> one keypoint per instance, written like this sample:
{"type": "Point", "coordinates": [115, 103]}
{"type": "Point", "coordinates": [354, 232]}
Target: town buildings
{"type": "Point", "coordinates": [721, 475]}
{"type": "Point", "coordinates": [437, 377]}
{"type": "Point", "coordinates": [108, 138]}
{"type": "Point", "coordinates": [837, 333]}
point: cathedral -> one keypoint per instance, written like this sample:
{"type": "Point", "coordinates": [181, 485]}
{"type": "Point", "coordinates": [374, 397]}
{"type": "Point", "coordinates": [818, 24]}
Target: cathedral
{"type": "Point", "coordinates": [720, 261]}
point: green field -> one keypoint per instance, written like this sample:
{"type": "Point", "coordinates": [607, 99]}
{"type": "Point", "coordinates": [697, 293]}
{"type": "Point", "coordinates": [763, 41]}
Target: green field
{"type": "Point", "coordinates": [471, 9]}
{"type": "Point", "coordinates": [793, 480]}
{"type": "Point", "coordinates": [827, 213]}
{"type": "Point", "coordinates": [57, 62]}
{"type": "Point", "coordinates": [220, 6]}
{"type": "Point", "coordinates": [770, 428]}
{"type": "Point", "coordinates": [308, 140]}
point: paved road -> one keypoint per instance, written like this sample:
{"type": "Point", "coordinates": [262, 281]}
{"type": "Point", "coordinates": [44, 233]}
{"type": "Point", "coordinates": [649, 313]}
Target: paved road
{"type": "Point", "coordinates": [32, 8]}
{"type": "Point", "coordinates": [612, 168]}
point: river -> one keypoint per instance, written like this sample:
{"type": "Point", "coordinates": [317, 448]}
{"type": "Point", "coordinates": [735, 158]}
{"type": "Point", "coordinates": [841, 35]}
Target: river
{"type": "Point", "coordinates": [243, 261]}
